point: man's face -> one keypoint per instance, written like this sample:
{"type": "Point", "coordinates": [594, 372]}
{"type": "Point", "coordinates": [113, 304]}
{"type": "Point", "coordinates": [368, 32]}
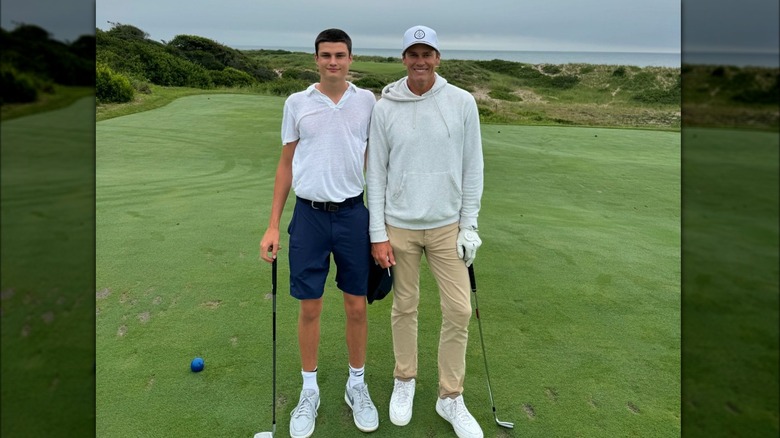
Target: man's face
{"type": "Point", "coordinates": [333, 60]}
{"type": "Point", "coordinates": [421, 61]}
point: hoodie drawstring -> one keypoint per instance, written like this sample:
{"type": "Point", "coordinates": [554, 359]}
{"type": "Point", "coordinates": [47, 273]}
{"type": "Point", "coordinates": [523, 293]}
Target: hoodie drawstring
{"type": "Point", "coordinates": [441, 114]}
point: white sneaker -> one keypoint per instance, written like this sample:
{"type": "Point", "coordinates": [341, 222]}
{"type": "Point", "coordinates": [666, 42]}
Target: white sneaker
{"type": "Point", "coordinates": [454, 410]}
{"type": "Point", "coordinates": [401, 402]}
{"type": "Point", "coordinates": [302, 417]}
{"type": "Point", "coordinates": [363, 410]}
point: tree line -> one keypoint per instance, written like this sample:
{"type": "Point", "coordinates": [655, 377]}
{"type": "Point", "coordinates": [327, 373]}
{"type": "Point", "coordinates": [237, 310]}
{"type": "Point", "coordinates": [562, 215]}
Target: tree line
{"type": "Point", "coordinates": [128, 61]}
{"type": "Point", "coordinates": [31, 62]}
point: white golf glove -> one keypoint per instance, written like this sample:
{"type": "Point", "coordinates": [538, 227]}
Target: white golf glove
{"type": "Point", "coordinates": [468, 243]}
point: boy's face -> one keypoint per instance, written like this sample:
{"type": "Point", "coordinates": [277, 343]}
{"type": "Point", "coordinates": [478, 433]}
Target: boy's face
{"type": "Point", "coordinates": [333, 60]}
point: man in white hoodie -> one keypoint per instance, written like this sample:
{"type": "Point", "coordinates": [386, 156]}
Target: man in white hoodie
{"type": "Point", "coordinates": [424, 182]}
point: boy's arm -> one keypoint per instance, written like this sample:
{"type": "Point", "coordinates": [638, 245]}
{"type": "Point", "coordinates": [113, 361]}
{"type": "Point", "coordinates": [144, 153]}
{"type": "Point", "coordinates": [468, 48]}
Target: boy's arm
{"type": "Point", "coordinates": [282, 185]}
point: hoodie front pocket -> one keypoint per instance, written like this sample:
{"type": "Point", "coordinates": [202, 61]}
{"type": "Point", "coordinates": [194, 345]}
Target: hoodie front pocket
{"type": "Point", "coordinates": [426, 197]}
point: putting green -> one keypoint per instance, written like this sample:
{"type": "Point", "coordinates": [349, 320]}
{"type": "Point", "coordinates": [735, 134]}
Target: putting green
{"type": "Point", "coordinates": [579, 283]}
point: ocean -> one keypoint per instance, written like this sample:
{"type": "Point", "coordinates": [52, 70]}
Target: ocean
{"type": "Point", "coordinates": [639, 59]}
{"type": "Point", "coordinates": [741, 59]}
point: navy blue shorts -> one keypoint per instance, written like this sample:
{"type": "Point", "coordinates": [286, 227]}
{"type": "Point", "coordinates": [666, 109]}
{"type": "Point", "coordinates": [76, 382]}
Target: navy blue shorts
{"type": "Point", "coordinates": [315, 234]}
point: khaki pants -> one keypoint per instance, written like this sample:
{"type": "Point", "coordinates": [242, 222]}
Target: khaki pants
{"type": "Point", "coordinates": [452, 277]}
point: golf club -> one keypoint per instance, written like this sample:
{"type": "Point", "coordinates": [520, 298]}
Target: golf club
{"type": "Point", "coordinates": [473, 281]}
{"type": "Point", "coordinates": [273, 294]}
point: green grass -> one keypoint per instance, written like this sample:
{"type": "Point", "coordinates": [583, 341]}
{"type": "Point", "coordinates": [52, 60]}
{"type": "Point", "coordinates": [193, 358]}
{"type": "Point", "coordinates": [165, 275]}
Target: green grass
{"type": "Point", "coordinates": [579, 282]}
{"type": "Point", "coordinates": [159, 97]}
{"type": "Point", "coordinates": [395, 69]}
{"type": "Point", "coordinates": [730, 304]}
{"type": "Point", "coordinates": [47, 273]}
{"type": "Point", "coordinates": [61, 97]}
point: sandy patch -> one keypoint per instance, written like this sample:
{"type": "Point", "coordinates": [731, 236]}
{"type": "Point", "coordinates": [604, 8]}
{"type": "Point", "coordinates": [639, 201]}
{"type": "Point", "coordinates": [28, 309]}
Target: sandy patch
{"type": "Point", "coordinates": [144, 317]}
{"type": "Point", "coordinates": [212, 304]}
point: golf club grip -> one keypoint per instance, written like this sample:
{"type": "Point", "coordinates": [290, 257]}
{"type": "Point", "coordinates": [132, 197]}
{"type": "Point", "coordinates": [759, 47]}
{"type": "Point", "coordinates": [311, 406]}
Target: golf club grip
{"type": "Point", "coordinates": [273, 277]}
{"type": "Point", "coordinates": [472, 279]}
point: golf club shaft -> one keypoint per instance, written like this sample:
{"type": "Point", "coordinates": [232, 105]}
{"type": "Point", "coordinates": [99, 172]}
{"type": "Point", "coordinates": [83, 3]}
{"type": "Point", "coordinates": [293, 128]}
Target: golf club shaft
{"type": "Point", "coordinates": [273, 293]}
{"type": "Point", "coordinates": [473, 281]}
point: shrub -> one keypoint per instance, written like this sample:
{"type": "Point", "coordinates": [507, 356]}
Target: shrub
{"type": "Point", "coordinates": [664, 96]}
{"type": "Point", "coordinates": [551, 69]}
{"type": "Point", "coordinates": [127, 32]}
{"type": "Point", "coordinates": [230, 77]}
{"type": "Point", "coordinates": [370, 83]}
{"type": "Point", "coordinates": [142, 86]}
{"type": "Point", "coordinates": [111, 86]}
{"type": "Point", "coordinates": [484, 111]}
{"type": "Point", "coordinates": [504, 94]}
{"type": "Point", "coordinates": [286, 87]}
{"type": "Point", "coordinates": [163, 68]}
{"type": "Point", "coordinates": [564, 81]}
{"type": "Point", "coordinates": [760, 95]}
{"type": "Point", "coordinates": [263, 74]}
{"type": "Point", "coordinates": [719, 72]}
{"type": "Point", "coordinates": [619, 72]}
{"type": "Point", "coordinates": [16, 87]}
{"type": "Point", "coordinates": [303, 75]}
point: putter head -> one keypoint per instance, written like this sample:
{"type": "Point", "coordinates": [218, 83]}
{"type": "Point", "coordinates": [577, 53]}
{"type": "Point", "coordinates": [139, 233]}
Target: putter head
{"type": "Point", "coordinates": [264, 435]}
{"type": "Point", "coordinates": [505, 424]}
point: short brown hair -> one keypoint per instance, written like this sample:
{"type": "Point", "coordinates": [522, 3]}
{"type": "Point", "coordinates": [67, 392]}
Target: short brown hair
{"type": "Point", "coordinates": [332, 36]}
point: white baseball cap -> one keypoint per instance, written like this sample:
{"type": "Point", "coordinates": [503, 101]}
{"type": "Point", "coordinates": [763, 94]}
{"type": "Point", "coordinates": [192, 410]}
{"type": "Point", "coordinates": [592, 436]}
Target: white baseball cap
{"type": "Point", "coordinates": [420, 35]}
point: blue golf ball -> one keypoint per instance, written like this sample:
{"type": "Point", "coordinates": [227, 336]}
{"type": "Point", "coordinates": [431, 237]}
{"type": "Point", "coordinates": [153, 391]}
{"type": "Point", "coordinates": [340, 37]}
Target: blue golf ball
{"type": "Point", "coordinates": [197, 364]}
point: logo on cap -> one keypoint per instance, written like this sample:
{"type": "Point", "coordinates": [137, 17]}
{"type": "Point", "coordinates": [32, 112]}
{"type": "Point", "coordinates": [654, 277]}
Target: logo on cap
{"type": "Point", "coordinates": [419, 34]}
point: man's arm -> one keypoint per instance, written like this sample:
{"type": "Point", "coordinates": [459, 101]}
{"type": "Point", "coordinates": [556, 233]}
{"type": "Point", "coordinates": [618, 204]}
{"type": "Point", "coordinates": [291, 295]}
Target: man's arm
{"type": "Point", "coordinates": [376, 187]}
{"type": "Point", "coordinates": [473, 169]}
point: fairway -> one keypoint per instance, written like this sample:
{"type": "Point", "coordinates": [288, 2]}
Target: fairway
{"type": "Point", "coordinates": [47, 273]}
{"type": "Point", "coordinates": [578, 275]}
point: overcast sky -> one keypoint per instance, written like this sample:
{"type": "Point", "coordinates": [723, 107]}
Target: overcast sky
{"type": "Point", "coordinates": [545, 25]}
{"type": "Point", "coordinates": [576, 25]}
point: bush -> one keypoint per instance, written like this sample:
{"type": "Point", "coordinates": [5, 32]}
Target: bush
{"type": "Point", "coordinates": [286, 87]}
{"type": "Point", "coordinates": [370, 83]}
{"type": "Point", "coordinates": [127, 32]}
{"type": "Point", "coordinates": [504, 94]}
{"type": "Point", "coordinates": [142, 86]}
{"type": "Point", "coordinates": [754, 94]}
{"type": "Point", "coordinates": [659, 96]}
{"type": "Point", "coordinates": [619, 72]}
{"type": "Point", "coordinates": [163, 68]}
{"type": "Point", "coordinates": [111, 86]}
{"type": "Point", "coordinates": [551, 69]}
{"type": "Point", "coordinates": [230, 77]}
{"type": "Point", "coordinates": [564, 81]}
{"type": "Point", "coordinates": [303, 75]}
{"type": "Point", "coordinates": [16, 87]}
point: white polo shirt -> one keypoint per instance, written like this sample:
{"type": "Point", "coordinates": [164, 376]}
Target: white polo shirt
{"type": "Point", "coordinates": [332, 138]}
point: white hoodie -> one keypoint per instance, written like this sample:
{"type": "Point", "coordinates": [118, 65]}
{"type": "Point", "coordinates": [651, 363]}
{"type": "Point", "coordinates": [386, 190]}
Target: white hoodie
{"type": "Point", "coordinates": [424, 166]}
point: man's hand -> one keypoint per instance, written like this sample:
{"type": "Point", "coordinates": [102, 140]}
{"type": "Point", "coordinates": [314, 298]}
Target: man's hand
{"type": "Point", "coordinates": [468, 243]}
{"type": "Point", "coordinates": [382, 252]}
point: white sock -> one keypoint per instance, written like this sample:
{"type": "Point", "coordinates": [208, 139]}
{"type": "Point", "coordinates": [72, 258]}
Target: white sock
{"type": "Point", "coordinates": [356, 376]}
{"type": "Point", "coordinates": [310, 380]}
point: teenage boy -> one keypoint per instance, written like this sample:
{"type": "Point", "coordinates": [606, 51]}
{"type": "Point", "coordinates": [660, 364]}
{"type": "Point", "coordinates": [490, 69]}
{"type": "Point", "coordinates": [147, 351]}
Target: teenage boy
{"type": "Point", "coordinates": [324, 136]}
